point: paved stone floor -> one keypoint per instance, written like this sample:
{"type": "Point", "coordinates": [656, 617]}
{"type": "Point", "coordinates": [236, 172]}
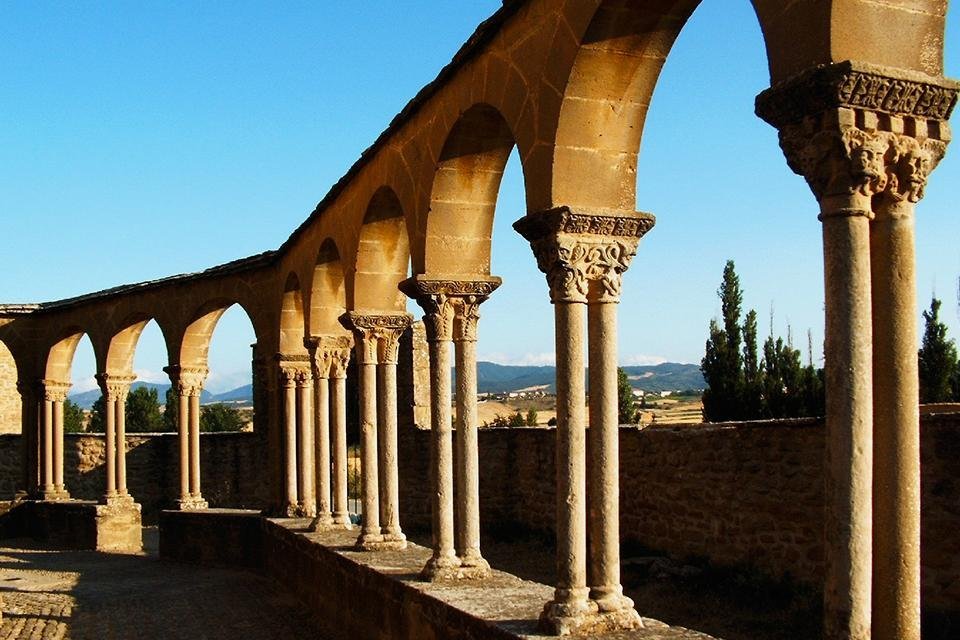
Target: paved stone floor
{"type": "Point", "coordinates": [81, 595]}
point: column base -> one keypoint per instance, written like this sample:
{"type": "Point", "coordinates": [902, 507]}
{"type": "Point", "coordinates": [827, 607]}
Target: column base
{"type": "Point", "coordinates": [342, 521]}
{"type": "Point", "coordinates": [119, 500]}
{"type": "Point", "coordinates": [306, 511]}
{"type": "Point", "coordinates": [290, 511]}
{"type": "Point", "coordinates": [441, 569]}
{"type": "Point", "coordinates": [54, 495]}
{"type": "Point", "coordinates": [379, 542]}
{"type": "Point", "coordinates": [322, 522]}
{"type": "Point", "coordinates": [473, 567]}
{"type": "Point", "coordinates": [585, 618]}
{"type": "Point", "coordinates": [191, 504]}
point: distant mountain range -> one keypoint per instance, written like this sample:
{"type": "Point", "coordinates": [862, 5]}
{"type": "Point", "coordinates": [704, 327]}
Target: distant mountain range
{"type": "Point", "coordinates": [669, 376]}
{"type": "Point", "coordinates": [86, 399]}
{"type": "Point", "coordinates": [491, 378]}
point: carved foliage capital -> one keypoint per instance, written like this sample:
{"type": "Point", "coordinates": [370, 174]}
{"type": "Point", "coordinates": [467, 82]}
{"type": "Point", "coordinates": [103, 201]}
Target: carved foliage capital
{"type": "Point", "coordinates": [584, 255]}
{"type": "Point", "coordinates": [294, 370]}
{"type": "Point", "coordinates": [451, 306]}
{"type": "Point", "coordinates": [187, 381]}
{"type": "Point", "coordinates": [114, 387]}
{"type": "Point", "coordinates": [55, 390]}
{"type": "Point", "coordinates": [909, 164]}
{"type": "Point", "coordinates": [330, 356]}
{"type": "Point", "coordinates": [377, 335]}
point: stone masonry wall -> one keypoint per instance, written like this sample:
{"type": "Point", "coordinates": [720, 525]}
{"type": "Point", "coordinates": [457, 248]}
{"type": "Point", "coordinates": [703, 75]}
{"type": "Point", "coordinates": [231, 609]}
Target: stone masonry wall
{"type": "Point", "coordinates": [740, 495]}
{"type": "Point", "coordinates": [233, 469]}
{"type": "Point", "coordinates": [9, 396]}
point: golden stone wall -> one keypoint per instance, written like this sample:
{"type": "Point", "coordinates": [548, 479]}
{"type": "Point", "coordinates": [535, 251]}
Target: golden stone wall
{"type": "Point", "coordinates": [9, 396]}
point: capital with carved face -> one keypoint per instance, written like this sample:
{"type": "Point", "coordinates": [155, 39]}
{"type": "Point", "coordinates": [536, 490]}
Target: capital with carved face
{"type": "Point", "coordinates": [377, 335]}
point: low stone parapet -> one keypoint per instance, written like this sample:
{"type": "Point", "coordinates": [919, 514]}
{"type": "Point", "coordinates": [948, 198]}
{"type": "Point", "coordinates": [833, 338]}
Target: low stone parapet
{"type": "Point", "coordinates": [220, 537]}
{"type": "Point", "coordinates": [76, 525]}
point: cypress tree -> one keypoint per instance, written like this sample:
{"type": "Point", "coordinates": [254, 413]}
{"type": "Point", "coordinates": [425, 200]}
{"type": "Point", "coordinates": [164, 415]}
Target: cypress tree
{"type": "Point", "coordinates": [937, 358]}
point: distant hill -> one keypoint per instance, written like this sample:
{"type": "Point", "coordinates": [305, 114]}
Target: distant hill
{"type": "Point", "coordinates": [240, 394]}
{"type": "Point", "coordinates": [669, 376]}
{"type": "Point", "coordinates": [86, 399]}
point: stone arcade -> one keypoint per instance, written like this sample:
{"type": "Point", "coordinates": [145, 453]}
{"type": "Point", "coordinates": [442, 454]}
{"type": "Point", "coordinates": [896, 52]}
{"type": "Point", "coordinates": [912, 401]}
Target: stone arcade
{"type": "Point", "coordinates": [861, 105]}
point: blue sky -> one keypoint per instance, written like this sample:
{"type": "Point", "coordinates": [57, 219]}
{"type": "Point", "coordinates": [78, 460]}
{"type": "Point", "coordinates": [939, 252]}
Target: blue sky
{"type": "Point", "coordinates": [146, 139]}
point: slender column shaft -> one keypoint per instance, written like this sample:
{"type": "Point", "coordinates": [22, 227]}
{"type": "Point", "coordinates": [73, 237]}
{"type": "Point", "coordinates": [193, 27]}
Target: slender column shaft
{"type": "Point", "coordinates": [58, 446]}
{"type": "Point", "coordinates": [110, 454]}
{"type": "Point", "coordinates": [322, 441]}
{"type": "Point", "coordinates": [849, 451]}
{"type": "Point", "coordinates": [306, 469]}
{"type": "Point", "coordinates": [368, 452]}
{"type": "Point", "coordinates": [604, 481]}
{"type": "Point", "coordinates": [570, 596]}
{"type": "Point", "coordinates": [195, 445]}
{"type": "Point", "coordinates": [183, 438]}
{"type": "Point", "coordinates": [896, 426]}
{"type": "Point", "coordinates": [441, 455]}
{"type": "Point", "coordinates": [121, 449]}
{"type": "Point", "coordinates": [48, 446]}
{"type": "Point", "coordinates": [290, 446]}
{"type": "Point", "coordinates": [468, 480]}
{"type": "Point", "coordinates": [389, 473]}
{"type": "Point", "coordinates": [341, 512]}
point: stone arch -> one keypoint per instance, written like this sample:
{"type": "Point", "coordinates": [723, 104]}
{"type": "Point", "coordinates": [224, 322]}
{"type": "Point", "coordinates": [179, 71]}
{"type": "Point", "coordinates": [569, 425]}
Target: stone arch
{"type": "Point", "coordinates": [60, 356]}
{"type": "Point", "coordinates": [328, 296]}
{"type": "Point", "coordinates": [459, 224]}
{"type": "Point", "coordinates": [292, 319]}
{"type": "Point", "coordinates": [122, 345]}
{"type": "Point", "coordinates": [382, 257]}
{"type": "Point", "coordinates": [194, 346]}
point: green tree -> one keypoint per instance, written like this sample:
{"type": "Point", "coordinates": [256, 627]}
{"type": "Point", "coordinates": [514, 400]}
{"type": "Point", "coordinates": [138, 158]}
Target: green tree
{"type": "Point", "coordinates": [937, 358]}
{"type": "Point", "coordinates": [722, 363]}
{"type": "Point", "coordinates": [752, 405]}
{"type": "Point", "coordinates": [626, 405]}
{"type": "Point", "coordinates": [143, 411]}
{"type": "Point", "coordinates": [98, 417]}
{"type": "Point", "coordinates": [783, 377]}
{"type": "Point", "coordinates": [171, 410]}
{"type": "Point", "coordinates": [220, 417]}
{"type": "Point", "coordinates": [517, 420]}
{"type": "Point", "coordinates": [531, 417]}
{"type": "Point", "coordinates": [72, 417]}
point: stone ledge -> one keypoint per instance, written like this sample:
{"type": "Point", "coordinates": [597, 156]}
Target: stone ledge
{"type": "Point", "coordinates": [76, 525]}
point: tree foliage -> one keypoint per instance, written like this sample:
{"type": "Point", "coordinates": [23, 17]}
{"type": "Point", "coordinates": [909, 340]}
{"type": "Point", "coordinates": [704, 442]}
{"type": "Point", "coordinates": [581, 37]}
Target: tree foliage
{"type": "Point", "coordinates": [220, 417]}
{"type": "Point", "coordinates": [72, 417]}
{"type": "Point", "coordinates": [742, 384]}
{"type": "Point", "coordinates": [937, 359]}
{"type": "Point", "coordinates": [143, 411]}
{"type": "Point", "coordinates": [626, 405]}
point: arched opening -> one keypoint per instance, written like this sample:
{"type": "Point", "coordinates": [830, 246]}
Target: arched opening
{"type": "Point", "coordinates": [464, 196]}
{"type": "Point", "coordinates": [10, 402]}
{"type": "Point", "coordinates": [383, 256]}
{"type": "Point", "coordinates": [328, 295]}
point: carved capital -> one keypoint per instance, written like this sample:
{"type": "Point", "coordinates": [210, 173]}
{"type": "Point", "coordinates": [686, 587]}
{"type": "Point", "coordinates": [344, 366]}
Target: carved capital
{"type": "Point", "coordinates": [909, 164]}
{"type": "Point", "coordinates": [114, 387]}
{"type": "Point", "coordinates": [293, 369]}
{"type": "Point", "coordinates": [55, 390]}
{"type": "Point", "coordinates": [187, 381]}
{"type": "Point", "coordinates": [330, 355]}
{"type": "Point", "coordinates": [584, 255]}
{"type": "Point", "coordinates": [377, 336]}
{"type": "Point", "coordinates": [451, 305]}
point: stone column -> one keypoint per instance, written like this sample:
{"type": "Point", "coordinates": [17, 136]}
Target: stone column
{"type": "Point", "coordinates": [188, 385]}
{"type": "Point", "coordinates": [115, 389]}
{"type": "Point", "coordinates": [373, 334]}
{"type": "Point", "coordinates": [438, 321]}
{"type": "Point", "coordinates": [584, 255]}
{"type": "Point", "coordinates": [838, 125]}
{"type": "Point", "coordinates": [338, 401]}
{"type": "Point", "coordinates": [915, 148]}
{"type": "Point", "coordinates": [46, 438]}
{"type": "Point", "coordinates": [290, 369]}
{"type": "Point", "coordinates": [306, 473]}
{"type": "Point", "coordinates": [387, 355]}
{"type": "Point", "coordinates": [57, 391]}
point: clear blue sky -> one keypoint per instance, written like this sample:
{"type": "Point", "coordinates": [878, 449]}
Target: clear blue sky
{"type": "Point", "coordinates": [141, 140]}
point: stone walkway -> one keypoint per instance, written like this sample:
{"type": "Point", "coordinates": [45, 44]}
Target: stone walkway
{"type": "Point", "coordinates": [82, 595]}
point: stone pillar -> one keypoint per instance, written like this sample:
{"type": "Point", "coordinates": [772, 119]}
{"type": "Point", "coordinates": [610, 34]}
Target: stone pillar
{"type": "Point", "coordinates": [584, 255]}
{"type": "Point", "coordinates": [915, 148]}
{"type": "Point", "coordinates": [839, 126]}
{"type": "Point", "coordinates": [30, 448]}
{"type": "Point", "coordinates": [293, 373]}
{"type": "Point", "coordinates": [115, 389]}
{"type": "Point", "coordinates": [375, 336]}
{"type": "Point", "coordinates": [452, 308]}
{"type": "Point", "coordinates": [338, 416]}
{"type": "Point", "coordinates": [306, 473]}
{"type": "Point", "coordinates": [51, 438]}
{"type": "Point", "coordinates": [188, 385]}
